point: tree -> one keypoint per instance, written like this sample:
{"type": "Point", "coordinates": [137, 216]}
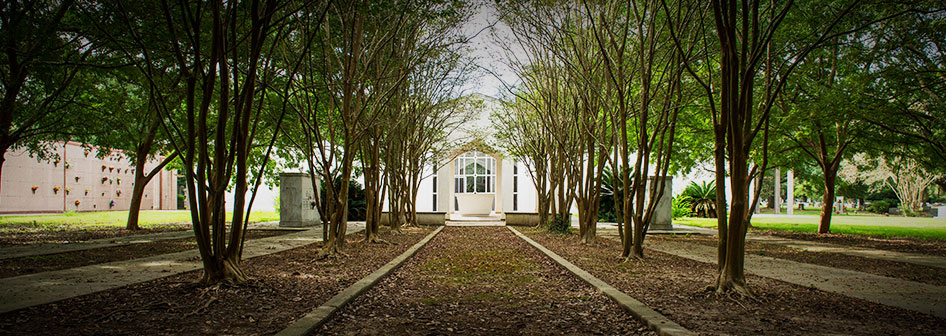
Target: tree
{"type": "Point", "coordinates": [42, 70]}
{"type": "Point", "coordinates": [223, 50]}
{"type": "Point", "coordinates": [740, 57]}
{"type": "Point", "coordinates": [128, 96]}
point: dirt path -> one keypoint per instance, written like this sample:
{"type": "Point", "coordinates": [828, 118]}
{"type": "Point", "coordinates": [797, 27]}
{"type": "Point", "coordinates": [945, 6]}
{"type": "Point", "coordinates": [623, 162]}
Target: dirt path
{"type": "Point", "coordinates": [481, 280]}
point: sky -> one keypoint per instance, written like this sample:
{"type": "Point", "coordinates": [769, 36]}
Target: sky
{"type": "Point", "coordinates": [488, 53]}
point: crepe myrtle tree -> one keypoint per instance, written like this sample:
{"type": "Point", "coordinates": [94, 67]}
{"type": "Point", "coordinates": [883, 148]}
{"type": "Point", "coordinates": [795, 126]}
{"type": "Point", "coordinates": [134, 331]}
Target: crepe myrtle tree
{"type": "Point", "coordinates": [743, 64]}
{"type": "Point", "coordinates": [224, 52]}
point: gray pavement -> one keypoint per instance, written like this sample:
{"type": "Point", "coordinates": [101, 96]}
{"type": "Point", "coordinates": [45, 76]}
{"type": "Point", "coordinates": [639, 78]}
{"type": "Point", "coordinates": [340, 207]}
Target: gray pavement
{"type": "Point", "coordinates": [915, 296]}
{"type": "Point", "coordinates": [46, 249]}
{"type": "Point", "coordinates": [864, 252]}
{"type": "Point", "coordinates": [40, 288]}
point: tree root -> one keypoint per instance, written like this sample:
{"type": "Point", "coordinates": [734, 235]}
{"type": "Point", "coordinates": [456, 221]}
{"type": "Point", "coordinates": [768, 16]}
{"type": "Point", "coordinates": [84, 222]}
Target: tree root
{"type": "Point", "coordinates": [328, 251]}
{"type": "Point", "coordinates": [376, 240]}
{"type": "Point", "coordinates": [202, 307]}
{"type": "Point", "coordinates": [633, 258]}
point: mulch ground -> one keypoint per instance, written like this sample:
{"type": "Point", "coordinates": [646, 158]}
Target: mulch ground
{"type": "Point", "coordinates": [285, 286]}
{"type": "Point", "coordinates": [481, 281]}
{"type": "Point", "coordinates": [899, 270]}
{"type": "Point", "coordinates": [54, 262]}
{"type": "Point", "coordinates": [67, 234]}
{"type": "Point", "coordinates": [677, 288]}
{"type": "Point", "coordinates": [901, 244]}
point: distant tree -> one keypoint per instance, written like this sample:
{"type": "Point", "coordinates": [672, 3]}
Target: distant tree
{"type": "Point", "coordinates": [908, 179]}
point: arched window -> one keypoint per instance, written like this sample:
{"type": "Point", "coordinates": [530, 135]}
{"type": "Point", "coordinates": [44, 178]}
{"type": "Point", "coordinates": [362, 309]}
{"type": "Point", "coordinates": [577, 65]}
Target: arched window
{"type": "Point", "coordinates": [475, 173]}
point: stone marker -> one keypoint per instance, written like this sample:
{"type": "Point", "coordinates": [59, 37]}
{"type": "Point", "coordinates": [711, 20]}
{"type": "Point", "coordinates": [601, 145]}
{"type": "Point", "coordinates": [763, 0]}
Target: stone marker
{"type": "Point", "coordinates": [297, 201]}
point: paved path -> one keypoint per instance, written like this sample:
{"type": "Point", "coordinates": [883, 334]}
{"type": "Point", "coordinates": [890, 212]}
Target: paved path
{"type": "Point", "coordinates": [905, 294]}
{"type": "Point", "coordinates": [46, 249]}
{"type": "Point", "coordinates": [475, 223]}
{"type": "Point", "coordinates": [906, 257]}
{"type": "Point", "coordinates": [39, 288]}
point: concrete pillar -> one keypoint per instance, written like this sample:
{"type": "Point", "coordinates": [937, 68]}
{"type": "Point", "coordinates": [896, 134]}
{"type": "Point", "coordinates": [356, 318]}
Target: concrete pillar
{"type": "Point", "coordinates": [791, 192]}
{"type": "Point", "coordinates": [662, 218]}
{"type": "Point", "coordinates": [297, 201]}
{"type": "Point", "coordinates": [778, 191]}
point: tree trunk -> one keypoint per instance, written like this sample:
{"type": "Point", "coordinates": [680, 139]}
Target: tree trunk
{"type": "Point", "coordinates": [3, 152]}
{"type": "Point", "coordinates": [137, 193]}
{"type": "Point", "coordinates": [827, 206]}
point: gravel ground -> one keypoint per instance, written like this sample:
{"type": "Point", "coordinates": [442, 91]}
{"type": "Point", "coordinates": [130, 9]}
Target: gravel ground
{"type": "Point", "coordinates": [481, 281]}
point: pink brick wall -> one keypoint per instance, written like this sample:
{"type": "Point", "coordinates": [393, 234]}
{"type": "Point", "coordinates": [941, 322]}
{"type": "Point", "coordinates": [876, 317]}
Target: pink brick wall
{"type": "Point", "coordinates": [21, 172]}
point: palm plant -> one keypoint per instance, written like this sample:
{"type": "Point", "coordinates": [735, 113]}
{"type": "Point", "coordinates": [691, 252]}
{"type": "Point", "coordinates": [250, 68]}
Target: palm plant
{"type": "Point", "coordinates": [702, 198]}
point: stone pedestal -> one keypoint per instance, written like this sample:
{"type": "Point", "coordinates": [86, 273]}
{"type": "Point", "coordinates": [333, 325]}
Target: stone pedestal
{"type": "Point", "coordinates": [297, 201]}
{"type": "Point", "coordinates": [941, 212]}
{"type": "Point", "coordinates": [663, 212]}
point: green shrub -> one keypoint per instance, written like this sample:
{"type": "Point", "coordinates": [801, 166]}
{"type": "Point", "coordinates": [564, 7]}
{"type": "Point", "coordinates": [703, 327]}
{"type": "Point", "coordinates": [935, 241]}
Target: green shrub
{"type": "Point", "coordinates": [882, 206]}
{"type": "Point", "coordinates": [681, 209]}
{"type": "Point", "coordinates": [560, 224]}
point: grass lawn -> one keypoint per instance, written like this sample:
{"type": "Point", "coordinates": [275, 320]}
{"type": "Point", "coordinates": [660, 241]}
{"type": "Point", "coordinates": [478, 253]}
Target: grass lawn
{"type": "Point", "coordinates": [882, 226]}
{"type": "Point", "coordinates": [106, 219]}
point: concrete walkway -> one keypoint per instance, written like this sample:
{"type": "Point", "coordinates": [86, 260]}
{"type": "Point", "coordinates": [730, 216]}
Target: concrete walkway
{"type": "Point", "coordinates": [46, 249]}
{"type": "Point", "coordinates": [904, 294]}
{"type": "Point", "coordinates": [40, 288]}
{"type": "Point", "coordinates": [906, 257]}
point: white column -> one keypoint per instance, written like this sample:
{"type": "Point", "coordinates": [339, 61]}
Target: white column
{"type": "Point", "coordinates": [758, 202]}
{"type": "Point", "coordinates": [450, 190]}
{"type": "Point", "coordinates": [791, 192]}
{"type": "Point", "coordinates": [778, 191]}
{"type": "Point", "coordinates": [498, 189]}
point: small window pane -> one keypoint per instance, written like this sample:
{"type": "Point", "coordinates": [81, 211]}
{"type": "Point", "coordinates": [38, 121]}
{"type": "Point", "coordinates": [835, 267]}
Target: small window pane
{"type": "Point", "coordinates": [470, 186]}
{"type": "Point", "coordinates": [481, 184]}
{"type": "Point", "coordinates": [435, 184]}
{"type": "Point", "coordinates": [515, 202]}
{"type": "Point", "coordinates": [515, 184]}
{"type": "Point", "coordinates": [481, 166]}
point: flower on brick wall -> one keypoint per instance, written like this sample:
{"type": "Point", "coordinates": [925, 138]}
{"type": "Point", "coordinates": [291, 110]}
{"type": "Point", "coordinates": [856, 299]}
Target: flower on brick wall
{"type": "Point", "coordinates": [104, 167]}
{"type": "Point", "coordinates": [56, 190]}
{"type": "Point", "coordinates": [34, 189]}
{"type": "Point", "coordinates": [68, 190]}
{"type": "Point", "coordinates": [56, 163]}
{"type": "Point", "coordinates": [111, 204]}
{"type": "Point", "coordinates": [77, 202]}
{"type": "Point", "coordinates": [86, 153]}
{"type": "Point", "coordinates": [77, 179]}
{"type": "Point", "coordinates": [118, 193]}
{"type": "Point", "coordinates": [87, 192]}
{"type": "Point", "coordinates": [118, 180]}
{"type": "Point", "coordinates": [104, 179]}
{"type": "Point", "coordinates": [110, 169]}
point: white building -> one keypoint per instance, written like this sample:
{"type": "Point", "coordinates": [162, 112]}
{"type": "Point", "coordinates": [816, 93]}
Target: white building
{"type": "Point", "coordinates": [477, 179]}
